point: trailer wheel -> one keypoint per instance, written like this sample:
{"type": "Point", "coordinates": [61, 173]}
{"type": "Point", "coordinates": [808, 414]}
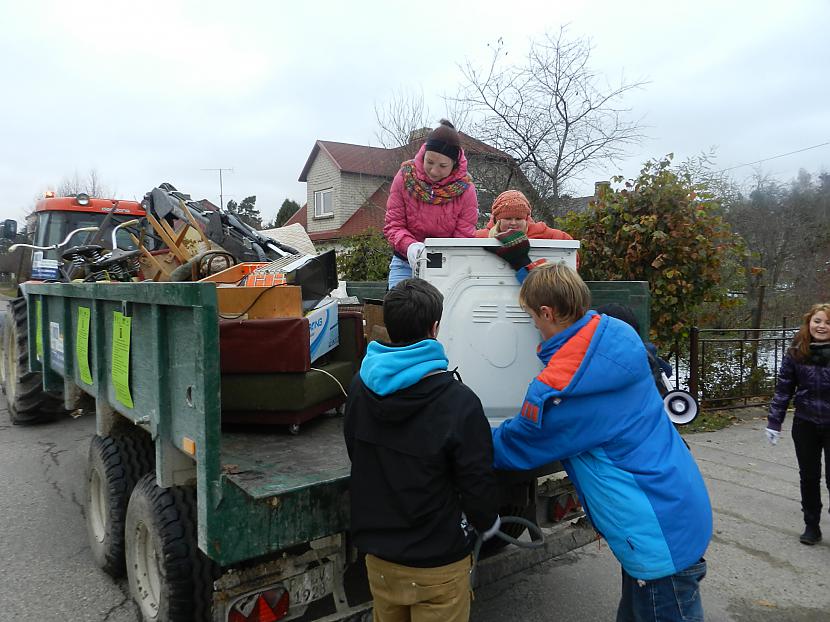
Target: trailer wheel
{"type": "Point", "coordinates": [115, 465]}
{"type": "Point", "coordinates": [514, 530]}
{"type": "Point", "coordinates": [170, 578]}
{"type": "Point", "coordinates": [28, 403]}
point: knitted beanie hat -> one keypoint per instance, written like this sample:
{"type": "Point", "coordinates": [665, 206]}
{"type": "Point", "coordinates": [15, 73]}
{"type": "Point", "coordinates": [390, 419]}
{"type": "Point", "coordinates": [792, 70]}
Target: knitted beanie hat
{"type": "Point", "coordinates": [444, 140]}
{"type": "Point", "coordinates": [510, 204]}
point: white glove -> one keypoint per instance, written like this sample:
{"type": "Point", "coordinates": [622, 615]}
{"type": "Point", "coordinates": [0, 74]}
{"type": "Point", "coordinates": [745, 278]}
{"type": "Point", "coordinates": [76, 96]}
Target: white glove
{"type": "Point", "coordinates": [493, 530]}
{"type": "Point", "coordinates": [413, 254]}
{"type": "Point", "coordinates": [773, 436]}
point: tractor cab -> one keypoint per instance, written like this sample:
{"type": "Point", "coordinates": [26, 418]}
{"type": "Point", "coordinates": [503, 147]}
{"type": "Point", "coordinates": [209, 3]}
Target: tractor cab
{"type": "Point", "coordinates": [93, 220]}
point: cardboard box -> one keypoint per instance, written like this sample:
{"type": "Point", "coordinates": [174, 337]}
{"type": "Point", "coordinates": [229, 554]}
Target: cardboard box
{"type": "Point", "coordinates": [324, 331]}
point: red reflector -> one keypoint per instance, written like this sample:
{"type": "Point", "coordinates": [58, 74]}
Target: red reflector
{"type": "Point", "coordinates": [268, 606]}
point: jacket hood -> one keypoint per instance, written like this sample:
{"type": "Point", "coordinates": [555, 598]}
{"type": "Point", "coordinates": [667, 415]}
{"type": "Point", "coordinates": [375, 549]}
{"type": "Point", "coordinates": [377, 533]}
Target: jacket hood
{"type": "Point", "coordinates": [457, 173]}
{"type": "Point", "coordinates": [387, 368]}
{"type": "Point", "coordinates": [624, 360]}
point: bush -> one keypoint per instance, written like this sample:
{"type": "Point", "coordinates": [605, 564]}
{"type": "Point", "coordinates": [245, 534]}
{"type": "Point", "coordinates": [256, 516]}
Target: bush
{"type": "Point", "coordinates": [365, 257]}
{"type": "Point", "coordinates": [665, 229]}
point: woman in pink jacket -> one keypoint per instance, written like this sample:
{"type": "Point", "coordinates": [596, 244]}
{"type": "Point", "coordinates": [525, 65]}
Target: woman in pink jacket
{"type": "Point", "coordinates": [432, 196]}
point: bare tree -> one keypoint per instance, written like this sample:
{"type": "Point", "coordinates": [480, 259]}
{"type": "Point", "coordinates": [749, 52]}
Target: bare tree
{"type": "Point", "coordinates": [550, 111]}
{"type": "Point", "coordinates": [91, 185]}
{"type": "Point", "coordinates": [399, 116]}
{"type": "Point", "coordinates": [405, 113]}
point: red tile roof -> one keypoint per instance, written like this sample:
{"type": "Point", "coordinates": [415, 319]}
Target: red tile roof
{"type": "Point", "coordinates": [300, 216]}
{"type": "Point", "coordinates": [208, 206]}
{"type": "Point", "coordinates": [379, 160]}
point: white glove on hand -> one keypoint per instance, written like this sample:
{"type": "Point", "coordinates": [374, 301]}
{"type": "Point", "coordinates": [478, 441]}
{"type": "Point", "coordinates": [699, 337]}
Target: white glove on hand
{"type": "Point", "coordinates": [413, 254]}
{"type": "Point", "coordinates": [773, 436]}
{"type": "Point", "coordinates": [493, 530]}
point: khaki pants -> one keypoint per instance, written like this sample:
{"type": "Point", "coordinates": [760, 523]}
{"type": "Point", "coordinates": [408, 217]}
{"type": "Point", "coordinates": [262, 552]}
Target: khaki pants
{"type": "Point", "coordinates": [406, 594]}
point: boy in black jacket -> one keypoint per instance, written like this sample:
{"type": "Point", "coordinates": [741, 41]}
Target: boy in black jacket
{"type": "Point", "coordinates": [422, 456]}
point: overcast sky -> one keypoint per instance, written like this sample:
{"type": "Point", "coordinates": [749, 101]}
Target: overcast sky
{"type": "Point", "coordinates": [157, 91]}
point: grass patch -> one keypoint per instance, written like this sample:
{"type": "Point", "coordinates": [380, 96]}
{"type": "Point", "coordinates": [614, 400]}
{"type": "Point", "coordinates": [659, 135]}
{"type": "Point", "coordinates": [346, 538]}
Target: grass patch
{"type": "Point", "coordinates": [8, 292]}
{"type": "Point", "coordinates": [709, 421]}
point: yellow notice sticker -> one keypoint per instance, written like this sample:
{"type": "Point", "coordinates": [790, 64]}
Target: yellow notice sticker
{"type": "Point", "coordinates": [82, 345]}
{"type": "Point", "coordinates": [121, 358]}
{"type": "Point", "coordinates": [39, 330]}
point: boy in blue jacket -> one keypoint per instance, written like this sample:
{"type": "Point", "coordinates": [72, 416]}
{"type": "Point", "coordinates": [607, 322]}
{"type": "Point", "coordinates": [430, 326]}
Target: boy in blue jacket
{"type": "Point", "coordinates": [596, 408]}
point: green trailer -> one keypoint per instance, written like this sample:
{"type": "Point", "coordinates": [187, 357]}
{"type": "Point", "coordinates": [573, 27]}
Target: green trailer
{"type": "Point", "coordinates": [218, 521]}
{"type": "Point", "coordinates": [199, 516]}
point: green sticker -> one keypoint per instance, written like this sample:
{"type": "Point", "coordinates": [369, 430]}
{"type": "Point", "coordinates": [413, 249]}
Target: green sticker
{"type": "Point", "coordinates": [39, 330]}
{"type": "Point", "coordinates": [121, 358]}
{"type": "Point", "coordinates": [82, 345]}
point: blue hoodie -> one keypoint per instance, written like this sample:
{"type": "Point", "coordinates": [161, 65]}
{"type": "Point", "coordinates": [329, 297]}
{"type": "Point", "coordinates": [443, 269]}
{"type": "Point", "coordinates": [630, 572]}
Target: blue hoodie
{"type": "Point", "coordinates": [595, 407]}
{"type": "Point", "coordinates": [387, 369]}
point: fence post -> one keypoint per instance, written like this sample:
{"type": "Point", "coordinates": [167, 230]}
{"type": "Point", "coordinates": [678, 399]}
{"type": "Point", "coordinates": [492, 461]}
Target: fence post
{"type": "Point", "coordinates": [693, 362]}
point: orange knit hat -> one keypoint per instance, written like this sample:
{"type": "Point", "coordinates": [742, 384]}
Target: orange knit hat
{"type": "Point", "coordinates": [510, 204]}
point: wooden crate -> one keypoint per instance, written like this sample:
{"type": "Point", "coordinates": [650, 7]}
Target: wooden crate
{"type": "Point", "coordinates": [275, 301]}
{"type": "Point", "coordinates": [375, 328]}
{"type": "Point", "coordinates": [257, 303]}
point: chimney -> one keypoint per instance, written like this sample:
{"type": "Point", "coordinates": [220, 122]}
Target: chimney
{"type": "Point", "coordinates": [600, 187]}
{"type": "Point", "coordinates": [419, 134]}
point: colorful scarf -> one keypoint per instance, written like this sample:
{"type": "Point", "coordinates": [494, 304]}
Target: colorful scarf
{"type": "Point", "coordinates": [426, 192]}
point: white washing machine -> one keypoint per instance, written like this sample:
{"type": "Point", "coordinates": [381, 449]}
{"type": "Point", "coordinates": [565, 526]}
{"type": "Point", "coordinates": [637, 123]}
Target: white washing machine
{"type": "Point", "coordinates": [486, 334]}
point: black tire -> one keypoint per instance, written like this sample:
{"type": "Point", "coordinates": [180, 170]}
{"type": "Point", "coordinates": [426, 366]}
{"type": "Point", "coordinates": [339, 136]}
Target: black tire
{"type": "Point", "coordinates": [169, 577]}
{"type": "Point", "coordinates": [514, 530]}
{"type": "Point", "coordinates": [28, 403]}
{"type": "Point", "coordinates": [115, 465]}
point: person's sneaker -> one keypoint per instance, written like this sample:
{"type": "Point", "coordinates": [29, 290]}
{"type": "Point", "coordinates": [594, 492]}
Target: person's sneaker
{"type": "Point", "coordinates": [811, 535]}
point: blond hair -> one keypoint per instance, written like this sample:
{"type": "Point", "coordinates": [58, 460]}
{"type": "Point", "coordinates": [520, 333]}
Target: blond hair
{"type": "Point", "coordinates": [558, 286]}
{"type": "Point", "coordinates": [800, 349]}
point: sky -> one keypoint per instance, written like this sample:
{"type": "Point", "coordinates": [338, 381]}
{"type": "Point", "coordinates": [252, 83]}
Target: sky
{"type": "Point", "coordinates": [149, 92]}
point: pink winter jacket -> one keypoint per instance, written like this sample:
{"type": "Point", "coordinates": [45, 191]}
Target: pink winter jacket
{"type": "Point", "coordinates": [409, 220]}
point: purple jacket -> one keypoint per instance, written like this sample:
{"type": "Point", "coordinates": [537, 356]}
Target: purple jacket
{"type": "Point", "coordinates": [409, 220]}
{"type": "Point", "coordinates": [810, 384]}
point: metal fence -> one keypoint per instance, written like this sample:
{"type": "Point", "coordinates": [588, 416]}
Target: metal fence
{"type": "Point", "coordinates": [733, 368]}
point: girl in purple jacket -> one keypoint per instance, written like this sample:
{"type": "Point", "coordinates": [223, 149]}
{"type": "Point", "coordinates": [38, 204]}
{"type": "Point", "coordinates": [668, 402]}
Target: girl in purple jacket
{"type": "Point", "coordinates": [432, 196]}
{"type": "Point", "coordinates": [805, 375]}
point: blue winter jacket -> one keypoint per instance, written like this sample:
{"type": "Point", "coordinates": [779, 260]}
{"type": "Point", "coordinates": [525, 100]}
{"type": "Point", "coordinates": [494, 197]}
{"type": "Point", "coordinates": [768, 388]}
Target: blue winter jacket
{"type": "Point", "coordinates": [595, 407]}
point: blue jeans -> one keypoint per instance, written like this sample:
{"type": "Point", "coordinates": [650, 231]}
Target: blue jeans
{"type": "Point", "coordinates": [398, 271]}
{"type": "Point", "coordinates": [675, 598]}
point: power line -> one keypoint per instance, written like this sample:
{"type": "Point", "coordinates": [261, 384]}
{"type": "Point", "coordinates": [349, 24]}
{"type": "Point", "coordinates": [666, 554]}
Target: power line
{"type": "Point", "coordinates": [774, 157]}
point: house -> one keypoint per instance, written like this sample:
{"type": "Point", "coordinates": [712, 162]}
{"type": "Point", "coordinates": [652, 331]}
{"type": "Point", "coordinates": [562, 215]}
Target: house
{"type": "Point", "coordinates": [348, 185]}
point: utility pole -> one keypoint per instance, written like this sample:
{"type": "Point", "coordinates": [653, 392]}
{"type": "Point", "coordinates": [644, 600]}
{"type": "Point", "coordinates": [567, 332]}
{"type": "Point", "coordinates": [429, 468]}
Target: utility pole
{"type": "Point", "coordinates": [221, 193]}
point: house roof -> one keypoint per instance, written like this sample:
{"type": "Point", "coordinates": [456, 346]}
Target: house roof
{"type": "Point", "coordinates": [369, 215]}
{"type": "Point", "coordinates": [380, 161]}
{"type": "Point", "coordinates": [300, 216]}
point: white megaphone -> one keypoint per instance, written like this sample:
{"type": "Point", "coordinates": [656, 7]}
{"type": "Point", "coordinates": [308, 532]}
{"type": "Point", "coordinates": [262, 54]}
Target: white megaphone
{"type": "Point", "coordinates": [680, 406]}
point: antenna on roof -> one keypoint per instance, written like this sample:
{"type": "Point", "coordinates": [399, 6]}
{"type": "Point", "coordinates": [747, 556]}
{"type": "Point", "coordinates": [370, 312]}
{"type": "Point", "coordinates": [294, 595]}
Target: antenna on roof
{"type": "Point", "coordinates": [221, 193]}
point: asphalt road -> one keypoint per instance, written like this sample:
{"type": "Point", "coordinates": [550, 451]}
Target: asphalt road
{"type": "Point", "coordinates": [758, 571]}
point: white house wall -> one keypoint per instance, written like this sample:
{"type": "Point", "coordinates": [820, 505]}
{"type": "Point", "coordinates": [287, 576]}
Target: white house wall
{"type": "Point", "coordinates": [355, 190]}
{"type": "Point", "coordinates": [322, 175]}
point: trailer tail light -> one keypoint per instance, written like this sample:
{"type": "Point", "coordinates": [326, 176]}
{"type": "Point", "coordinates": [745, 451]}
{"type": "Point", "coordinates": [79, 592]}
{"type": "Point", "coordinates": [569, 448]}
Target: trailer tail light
{"type": "Point", "coordinates": [267, 606]}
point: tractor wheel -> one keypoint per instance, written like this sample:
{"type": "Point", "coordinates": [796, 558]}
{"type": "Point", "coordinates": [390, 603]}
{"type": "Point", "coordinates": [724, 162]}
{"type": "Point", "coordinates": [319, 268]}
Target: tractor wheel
{"type": "Point", "coordinates": [28, 403]}
{"type": "Point", "coordinates": [115, 464]}
{"type": "Point", "coordinates": [170, 578]}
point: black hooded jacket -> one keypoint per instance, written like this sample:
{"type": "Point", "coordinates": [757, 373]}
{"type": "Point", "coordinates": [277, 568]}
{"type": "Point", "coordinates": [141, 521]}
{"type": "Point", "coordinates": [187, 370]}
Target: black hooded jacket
{"type": "Point", "coordinates": [420, 457]}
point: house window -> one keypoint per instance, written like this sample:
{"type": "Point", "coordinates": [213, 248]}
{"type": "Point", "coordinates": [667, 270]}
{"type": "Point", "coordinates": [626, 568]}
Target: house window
{"type": "Point", "coordinates": [323, 205]}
